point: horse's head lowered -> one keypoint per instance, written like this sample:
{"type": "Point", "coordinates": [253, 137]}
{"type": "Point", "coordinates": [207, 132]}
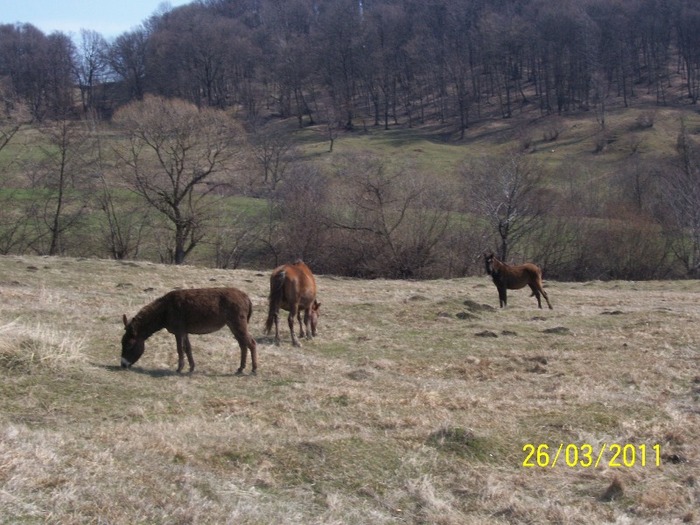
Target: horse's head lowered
{"type": "Point", "coordinates": [314, 314]}
{"type": "Point", "coordinates": [132, 345]}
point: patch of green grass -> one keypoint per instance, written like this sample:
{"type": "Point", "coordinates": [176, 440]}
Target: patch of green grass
{"type": "Point", "coordinates": [349, 464]}
{"type": "Point", "coordinates": [465, 444]}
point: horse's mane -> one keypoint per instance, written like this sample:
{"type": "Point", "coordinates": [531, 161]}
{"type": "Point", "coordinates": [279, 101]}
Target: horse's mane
{"type": "Point", "coordinates": [150, 318]}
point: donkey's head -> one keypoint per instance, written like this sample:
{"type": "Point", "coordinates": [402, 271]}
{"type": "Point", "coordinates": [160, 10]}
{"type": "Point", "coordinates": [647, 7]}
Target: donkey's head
{"type": "Point", "coordinates": [132, 345]}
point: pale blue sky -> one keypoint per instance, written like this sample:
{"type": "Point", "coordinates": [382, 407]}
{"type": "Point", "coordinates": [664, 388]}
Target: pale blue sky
{"type": "Point", "coordinates": [108, 17]}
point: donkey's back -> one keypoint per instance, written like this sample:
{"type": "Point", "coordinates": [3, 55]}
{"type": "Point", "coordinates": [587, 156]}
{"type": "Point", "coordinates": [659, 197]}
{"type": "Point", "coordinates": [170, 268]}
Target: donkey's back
{"type": "Point", "coordinates": [205, 310]}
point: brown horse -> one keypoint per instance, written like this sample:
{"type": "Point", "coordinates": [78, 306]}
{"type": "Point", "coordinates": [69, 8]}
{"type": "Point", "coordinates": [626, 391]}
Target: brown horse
{"type": "Point", "coordinates": [507, 277]}
{"type": "Point", "coordinates": [194, 311]}
{"type": "Point", "coordinates": [293, 288]}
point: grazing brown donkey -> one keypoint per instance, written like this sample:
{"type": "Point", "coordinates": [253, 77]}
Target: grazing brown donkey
{"type": "Point", "coordinates": [293, 288]}
{"type": "Point", "coordinates": [507, 277]}
{"type": "Point", "coordinates": [194, 311]}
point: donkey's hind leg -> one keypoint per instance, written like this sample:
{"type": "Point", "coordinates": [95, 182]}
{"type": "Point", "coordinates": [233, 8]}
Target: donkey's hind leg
{"type": "Point", "coordinates": [188, 352]}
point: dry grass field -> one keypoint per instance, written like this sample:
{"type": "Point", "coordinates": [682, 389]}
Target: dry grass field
{"type": "Point", "coordinates": [415, 404]}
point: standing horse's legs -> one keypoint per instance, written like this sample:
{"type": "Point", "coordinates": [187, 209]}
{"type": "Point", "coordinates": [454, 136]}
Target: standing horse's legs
{"type": "Point", "coordinates": [276, 318]}
{"type": "Point", "coordinates": [301, 325]}
{"type": "Point", "coordinates": [538, 290]}
{"type": "Point", "coordinates": [544, 294]}
{"type": "Point", "coordinates": [290, 322]}
{"type": "Point", "coordinates": [536, 293]}
{"type": "Point", "coordinates": [503, 296]}
{"type": "Point", "coordinates": [307, 323]}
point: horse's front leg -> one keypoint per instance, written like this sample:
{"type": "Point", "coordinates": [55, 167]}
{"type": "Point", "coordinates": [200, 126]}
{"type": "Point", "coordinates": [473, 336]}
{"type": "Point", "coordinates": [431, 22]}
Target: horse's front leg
{"type": "Point", "coordinates": [307, 324]}
{"type": "Point", "coordinates": [503, 296]}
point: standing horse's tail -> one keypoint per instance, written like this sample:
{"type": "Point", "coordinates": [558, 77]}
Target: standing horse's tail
{"type": "Point", "coordinates": [276, 291]}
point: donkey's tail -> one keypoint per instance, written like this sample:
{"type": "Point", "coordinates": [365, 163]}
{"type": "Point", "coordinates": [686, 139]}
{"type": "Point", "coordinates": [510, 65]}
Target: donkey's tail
{"type": "Point", "coordinates": [250, 309]}
{"type": "Point", "coordinates": [276, 291]}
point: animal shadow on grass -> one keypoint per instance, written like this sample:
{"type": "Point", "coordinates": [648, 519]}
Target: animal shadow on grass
{"type": "Point", "coordinates": [164, 372]}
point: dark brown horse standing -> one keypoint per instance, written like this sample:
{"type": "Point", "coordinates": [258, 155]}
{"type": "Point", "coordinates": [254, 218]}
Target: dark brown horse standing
{"type": "Point", "coordinates": [193, 311]}
{"type": "Point", "coordinates": [293, 288]}
{"type": "Point", "coordinates": [507, 277]}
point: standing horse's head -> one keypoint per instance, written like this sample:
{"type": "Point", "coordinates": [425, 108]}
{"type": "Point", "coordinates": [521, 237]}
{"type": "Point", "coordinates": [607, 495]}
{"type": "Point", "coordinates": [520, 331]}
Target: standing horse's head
{"type": "Point", "coordinates": [132, 345]}
{"type": "Point", "coordinates": [488, 262]}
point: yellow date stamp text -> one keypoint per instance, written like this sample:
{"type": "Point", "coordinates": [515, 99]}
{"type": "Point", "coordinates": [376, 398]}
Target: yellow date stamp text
{"type": "Point", "coordinates": [611, 455]}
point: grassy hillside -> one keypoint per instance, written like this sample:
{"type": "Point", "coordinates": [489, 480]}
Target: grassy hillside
{"type": "Point", "coordinates": [413, 404]}
{"type": "Point", "coordinates": [602, 183]}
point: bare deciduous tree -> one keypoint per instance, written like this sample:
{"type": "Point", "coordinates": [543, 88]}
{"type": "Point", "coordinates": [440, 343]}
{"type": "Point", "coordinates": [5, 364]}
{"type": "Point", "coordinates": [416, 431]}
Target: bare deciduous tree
{"type": "Point", "coordinates": [507, 193]}
{"type": "Point", "coordinates": [172, 157]}
{"type": "Point", "coordinates": [62, 175]}
{"type": "Point", "coordinates": [273, 152]}
{"type": "Point", "coordinates": [395, 220]}
{"type": "Point", "coordinates": [682, 197]}
{"type": "Point", "coordinates": [90, 66]}
{"type": "Point", "coordinates": [124, 226]}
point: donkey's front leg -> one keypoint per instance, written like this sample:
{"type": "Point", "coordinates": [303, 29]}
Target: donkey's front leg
{"type": "Point", "coordinates": [180, 353]}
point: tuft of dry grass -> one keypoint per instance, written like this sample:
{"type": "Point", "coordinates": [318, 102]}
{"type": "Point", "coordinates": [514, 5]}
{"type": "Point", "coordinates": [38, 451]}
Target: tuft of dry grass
{"type": "Point", "coordinates": [400, 411]}
{"type": "Point", "coordinates": [23, 347]}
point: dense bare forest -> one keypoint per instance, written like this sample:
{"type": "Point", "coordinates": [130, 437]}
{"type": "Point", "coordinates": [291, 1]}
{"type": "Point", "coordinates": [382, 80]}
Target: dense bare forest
{"type": "Point", "coordinates": [183, 131]}
{"type": "Point", "coordinates": [382, 60]}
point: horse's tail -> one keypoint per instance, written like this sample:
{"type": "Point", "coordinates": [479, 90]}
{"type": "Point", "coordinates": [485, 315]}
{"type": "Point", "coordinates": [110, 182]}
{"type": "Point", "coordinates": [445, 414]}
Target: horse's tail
{"type": "Point", "coordinates": [276, 291]}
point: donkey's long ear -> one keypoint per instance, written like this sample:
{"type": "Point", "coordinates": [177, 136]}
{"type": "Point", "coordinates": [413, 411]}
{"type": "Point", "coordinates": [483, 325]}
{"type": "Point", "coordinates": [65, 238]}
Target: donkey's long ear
{"type": "Point", "coordinates": [126, 321]}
